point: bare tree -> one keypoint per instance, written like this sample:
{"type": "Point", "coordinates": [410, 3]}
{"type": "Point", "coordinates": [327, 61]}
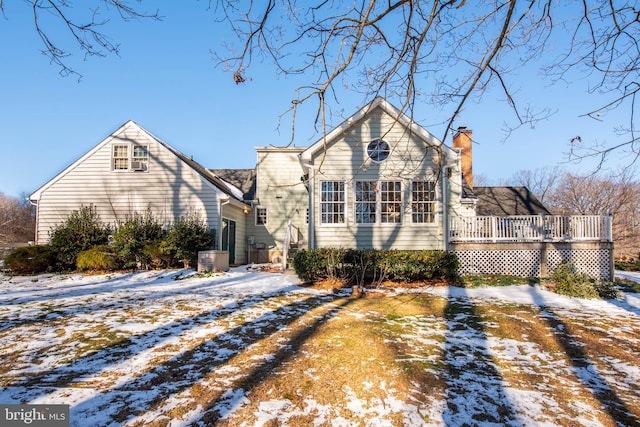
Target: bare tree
{"type": "Point", "coordinates": [85, 24]}
{"type": "Point", "coordinates": [447, 53]}
{"type": "Point", "coordinates": [542, 182]}
{"type": "Point", "coordinates": [17, 220]}
{"type": "Point", "coordinates": [615, 195]}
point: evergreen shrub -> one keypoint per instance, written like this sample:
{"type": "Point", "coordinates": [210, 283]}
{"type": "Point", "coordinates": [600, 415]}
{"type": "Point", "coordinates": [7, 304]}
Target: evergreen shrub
{"type": "Point", "coordinates": [133, 235]}
{"type": "Point", "coordinates": [80, 231]}
{"type": "Point", "coordinates": [607, 290]}
{"type": "Point", "coordinates": [159, 254]}
{"type": "Point", "coordinates": [572, 283]}
{"type": "Point", "coordinates": [361, 266]}
{"type": "Point", "coordinates": [30, 260]}
{"type": "Point", "coordinates": [99, 258]}
{"type": "Point", "coordinates": [188, 236]}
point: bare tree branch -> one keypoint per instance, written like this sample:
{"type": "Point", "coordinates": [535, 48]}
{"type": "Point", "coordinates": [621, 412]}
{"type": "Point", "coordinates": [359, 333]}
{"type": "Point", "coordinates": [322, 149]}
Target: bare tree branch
{"type": "Point", "coordinates": [87, 33]}
{"type": "Point", "coordinates": [446, 52]}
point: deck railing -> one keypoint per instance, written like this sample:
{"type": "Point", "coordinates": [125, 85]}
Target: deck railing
{"type": "Point", "coordinates": [530, 228]}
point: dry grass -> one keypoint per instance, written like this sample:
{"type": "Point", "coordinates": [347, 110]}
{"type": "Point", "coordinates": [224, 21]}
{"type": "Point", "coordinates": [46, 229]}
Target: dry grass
{"type": "Point", "coordinates": [333, 359]}
{"type": "Point", "coordinates": [358, 353]}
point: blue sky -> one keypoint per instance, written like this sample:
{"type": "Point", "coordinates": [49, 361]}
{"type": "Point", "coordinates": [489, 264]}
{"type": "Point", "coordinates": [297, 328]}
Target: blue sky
{"type": "Point", "coordinates": [166, 80]}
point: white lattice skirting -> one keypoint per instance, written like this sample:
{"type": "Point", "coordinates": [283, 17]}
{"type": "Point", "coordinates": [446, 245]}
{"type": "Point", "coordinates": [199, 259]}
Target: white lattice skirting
{"type": "Point", "coordinates": [535, 259]}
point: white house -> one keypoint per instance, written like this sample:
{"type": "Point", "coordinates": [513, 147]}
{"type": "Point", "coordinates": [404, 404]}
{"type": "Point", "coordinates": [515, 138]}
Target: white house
{"type": "Point", "coordinates": [133, 171]}
{"type": "Point", "coordinates": [376, 181]}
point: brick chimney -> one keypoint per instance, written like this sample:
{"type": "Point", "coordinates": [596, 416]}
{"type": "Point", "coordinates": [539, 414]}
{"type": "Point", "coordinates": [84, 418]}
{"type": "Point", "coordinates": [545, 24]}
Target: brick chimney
{"type": "Point", "coordinates": [463, 140]}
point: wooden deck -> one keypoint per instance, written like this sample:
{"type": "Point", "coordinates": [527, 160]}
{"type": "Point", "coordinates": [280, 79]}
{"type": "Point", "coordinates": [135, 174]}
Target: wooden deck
{"type": "Point", "coordinates": [537, 228]}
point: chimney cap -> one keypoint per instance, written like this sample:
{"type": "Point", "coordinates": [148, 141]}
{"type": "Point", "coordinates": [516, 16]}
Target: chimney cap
{"type": "Point", "coordinates": [462, 127]}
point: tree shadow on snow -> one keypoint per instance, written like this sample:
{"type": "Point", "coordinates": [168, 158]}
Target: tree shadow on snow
{"type": "Point", "coordinates": [475, 388]}
{"type": "Point", "coordinates": [585, 370]}
{"type": "Point", "coordinates": [163, 381]}
{"type": "Point", "coordinates": [118, 352]}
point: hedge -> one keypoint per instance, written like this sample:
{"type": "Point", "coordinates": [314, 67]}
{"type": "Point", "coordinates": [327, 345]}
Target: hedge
{"type": "Point", "coordinates": [363, 266]}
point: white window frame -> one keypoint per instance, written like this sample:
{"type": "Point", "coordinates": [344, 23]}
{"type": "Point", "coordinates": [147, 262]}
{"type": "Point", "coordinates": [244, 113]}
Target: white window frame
{"type": "Point", "coordinates": [365, 202]}
{"type": "Point", "coordinates": [142, 158]}
{"type": "Point", "coordinates": [262, 212]}
{"type": "Point", "coordinates": [369, 196]}
{"type": "Point", "coordinates": [334, 198]}
{"type": "Point", "coordinates": [425, 201]}
{"type": "Point", "coordinates": [386, 214]}
{"type": "Point", "coordinates": [119, 160]}
{"type": "Point", "coordinates": [132, 158]}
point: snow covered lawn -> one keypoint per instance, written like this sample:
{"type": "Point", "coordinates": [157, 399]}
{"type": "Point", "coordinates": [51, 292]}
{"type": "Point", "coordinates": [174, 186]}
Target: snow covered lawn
{"type": "Point", "coordinates": [252, 348]}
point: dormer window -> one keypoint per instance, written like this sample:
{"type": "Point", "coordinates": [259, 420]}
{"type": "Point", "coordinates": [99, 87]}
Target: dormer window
{"type": "Point", "coordinates": [130, 157]}
{"type": "Point", "coordinates": [378, 150]}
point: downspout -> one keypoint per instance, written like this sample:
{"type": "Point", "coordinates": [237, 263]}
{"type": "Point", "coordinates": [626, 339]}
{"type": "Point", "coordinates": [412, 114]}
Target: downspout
{"type": "Point", "coordinates": [445, 207]}
{"type": "Point", "coordinates": [447, 165]}
{"type": "Point", "coordinates": [312, 215]}
{"type": "Point", "coordinates": [311, 231]}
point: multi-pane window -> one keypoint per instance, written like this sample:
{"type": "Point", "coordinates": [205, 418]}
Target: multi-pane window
{"type": "Point", "coordinates": [332, 202]}
{"type": "Point", "coordinates": [120, 157]}
{"type": "Point", "coordinates": [423, 201]}
{"type": "Point", "coordinates": [140, 158]}
{"type": "Point", "coordinates": [378, 202]}
{"type": "Point", "coordinates": [390, 202]}
{"type": "Point", "coordinates": [261, 216]}
{"type": "Point", "coordinates": [133, 157]}
{"type": "Point", "coordinates": [365, 209]}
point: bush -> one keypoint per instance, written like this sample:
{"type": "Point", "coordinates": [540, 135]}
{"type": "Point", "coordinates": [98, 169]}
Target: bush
{"type": "Point", "coordinates": [411, 266]}
{"type": "Point", "coordinates": [360, 266]}
{"type": "Point", "coordinates": [133, 235]}
{"type": "Point", "coordinates": [188, 236]}
{"type": "Point", "coordinates": [572, 283]}
{"type": "Point", "coordinates": [627, 265]}
{"type": "Point", "coordinates": [159, 254]}
{"type": "Point", "coordinates": [30, 260]}
{"type": "Point", "coordinates": [81, 231]}
{"type": "Point", "coordinates": [314, 265]}
{"type": "Point", "coordinates": [99, 258]}
{"type": "Point", "coordinates": [607, 290]}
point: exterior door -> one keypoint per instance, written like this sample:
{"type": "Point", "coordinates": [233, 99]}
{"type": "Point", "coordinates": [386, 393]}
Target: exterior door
{"type": "Point", "coordinates": [229, 238]}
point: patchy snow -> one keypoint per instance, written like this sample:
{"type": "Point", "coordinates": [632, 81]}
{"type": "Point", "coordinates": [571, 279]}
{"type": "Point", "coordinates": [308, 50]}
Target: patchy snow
{"type": "Point", "coordinates": [170, 331]}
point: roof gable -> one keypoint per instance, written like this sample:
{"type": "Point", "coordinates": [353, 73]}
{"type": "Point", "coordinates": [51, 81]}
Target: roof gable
{"type": "Point", "coordinates": [360, 115]}
{"type": "Point", "coordinates": [130, 125]}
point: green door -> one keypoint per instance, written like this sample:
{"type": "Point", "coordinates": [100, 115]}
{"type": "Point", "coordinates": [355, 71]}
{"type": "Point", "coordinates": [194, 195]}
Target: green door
{"type": "Point", "coordinates": [229, 238]}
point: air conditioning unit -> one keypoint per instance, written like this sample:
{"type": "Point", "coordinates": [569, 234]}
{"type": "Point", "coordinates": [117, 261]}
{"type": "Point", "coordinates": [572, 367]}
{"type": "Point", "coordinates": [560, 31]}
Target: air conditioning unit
{"type": "Point", "coordinates": [138, 166]}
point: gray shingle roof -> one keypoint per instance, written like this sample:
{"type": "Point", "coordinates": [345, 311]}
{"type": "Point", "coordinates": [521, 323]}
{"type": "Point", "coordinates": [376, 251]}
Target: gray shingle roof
{"type": "Point", "coordinates": [244, 179]}
{"type": "Point", "coordinates": [505, 201]}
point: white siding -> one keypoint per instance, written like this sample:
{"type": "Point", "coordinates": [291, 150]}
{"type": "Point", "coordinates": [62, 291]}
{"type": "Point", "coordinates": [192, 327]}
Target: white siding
{"type": "Point", "coordinates": [346, 160]}
{"type": "Point", "coordinates": [237, 214]}
{"type": "Point", "coordinates": [281, 191]}
{"type": "Point", "coordinates": [169, 188]}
